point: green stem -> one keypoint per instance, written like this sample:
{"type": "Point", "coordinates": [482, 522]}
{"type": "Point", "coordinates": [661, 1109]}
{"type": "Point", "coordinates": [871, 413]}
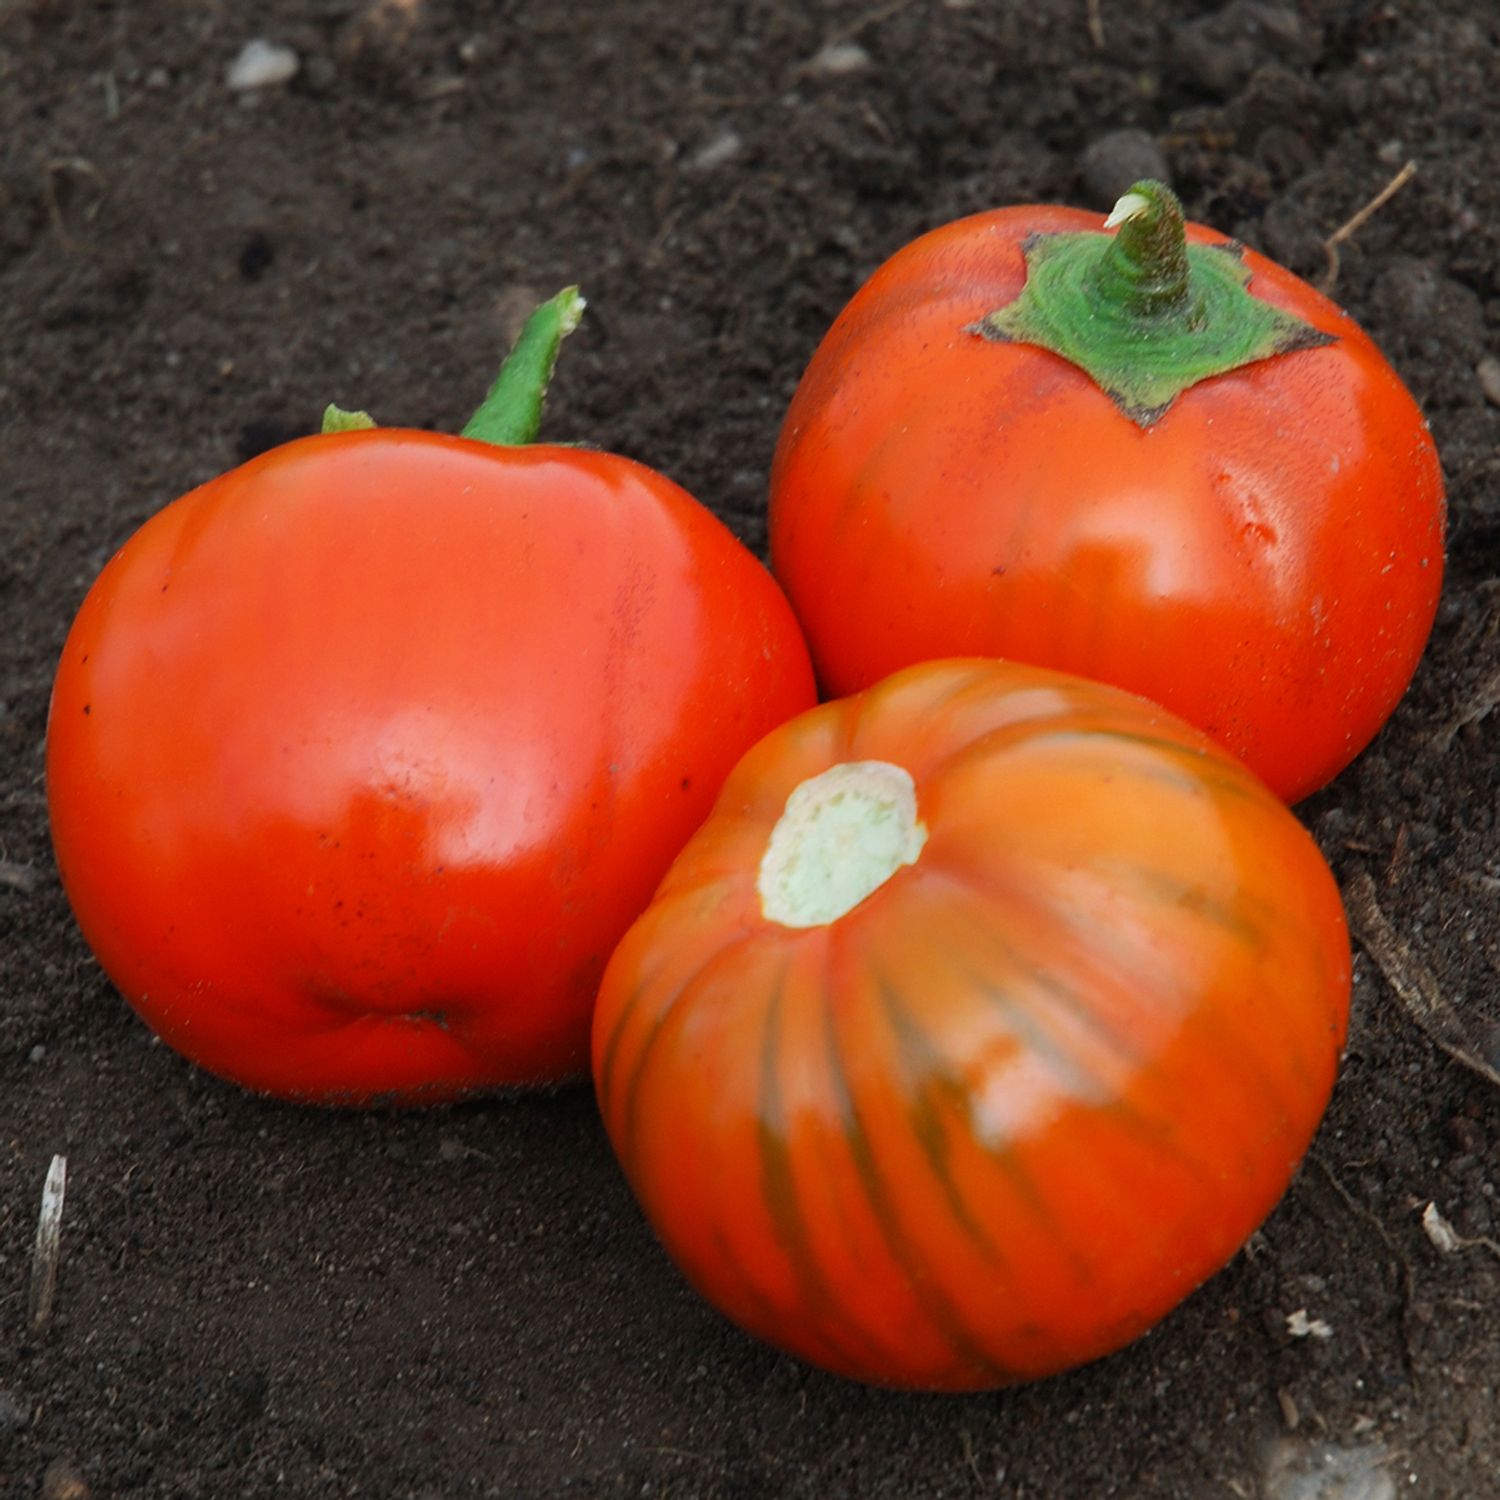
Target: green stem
{"type": "Point", "coordinates": [511, 415]}
{"type": "Point", "coordinates": [336, 419]}
{"type": "Point", "coordinates": [1142, 312]}
{"type": "Point", "coordinates": [1145, 269]}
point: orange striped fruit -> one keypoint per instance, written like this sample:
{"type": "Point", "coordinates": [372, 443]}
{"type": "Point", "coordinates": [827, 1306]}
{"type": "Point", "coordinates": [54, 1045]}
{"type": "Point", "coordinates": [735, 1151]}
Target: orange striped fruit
{"type": "Point", "coordinates": [987, 1015]}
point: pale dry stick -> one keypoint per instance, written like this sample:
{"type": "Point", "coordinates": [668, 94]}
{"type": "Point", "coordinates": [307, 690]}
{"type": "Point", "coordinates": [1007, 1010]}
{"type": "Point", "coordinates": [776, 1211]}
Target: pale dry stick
{"type": "Point", "coordinates": [967, 1444]}
{"type": "Point", "coordinates": [1407, 1271]}
{"type": "Point", "coordinates": [1398, 853]}
{"type": "Point", "coordinates": [873, 17]}
{"type": "Point", "coordinates": [1347, 230]}
{"type": "Point", "coordinates": [1414, 985]}
{"type": "Point", "coordinates": [1096, 25]}
{"type": "Point", "coordinates": [1359, 1210]}
{"type": "Point", "coordinates": [48, 1245]}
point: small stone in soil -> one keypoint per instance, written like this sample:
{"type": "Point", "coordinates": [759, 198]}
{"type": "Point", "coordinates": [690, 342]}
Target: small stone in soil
{"type": "Point", "coordinates": [718, 151]}
{"type": "Point", "coordinates": [1489, 379]}
{"type": "Point", "coordinates": [1112, 163]}
{"type": "Point", "coordinates": [261, 64]}
{"type": "Point", "coordinates": [837, 60]}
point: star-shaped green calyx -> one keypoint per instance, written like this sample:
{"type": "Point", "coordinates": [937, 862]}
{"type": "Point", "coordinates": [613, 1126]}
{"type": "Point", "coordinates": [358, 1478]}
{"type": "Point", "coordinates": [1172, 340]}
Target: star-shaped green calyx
{"type": "Point", "coordinates": [1141, 311]}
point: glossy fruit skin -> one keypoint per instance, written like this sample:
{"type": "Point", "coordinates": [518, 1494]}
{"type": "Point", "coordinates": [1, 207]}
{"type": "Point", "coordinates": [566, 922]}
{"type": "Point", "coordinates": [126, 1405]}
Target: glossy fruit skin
{"type": "Point", "coordinates": [1265, 560]}
{"type": "Point", "coordinates": [362, 756]}
{"type": "Point", "coordinates": [1004, 1114]}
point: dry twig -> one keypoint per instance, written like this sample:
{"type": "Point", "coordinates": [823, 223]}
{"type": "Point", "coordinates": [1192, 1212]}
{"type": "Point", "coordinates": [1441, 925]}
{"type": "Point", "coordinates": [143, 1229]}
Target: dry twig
{"type": "Point", "coordinates": [1346, 230]}
{"type": "Point", "coordinates": [874, 17]}
{"type": "Point", "coordinates": [840, 35]}
{"type": "Point", "coordinates": [1096, 25]}
{"type": "Point", "coordinates": [1412, 982]}
{"type": "Point", "coordinates": [1358, 1209]}
{"type": "Point", "coordinates": [48, 1245]}
{"type": "Point", "coordinates": [967, 1444]}
{"type": "Point", "coordinates": [1404, 1267]}
{"type": "Point", "coordinates": [1398, 853]}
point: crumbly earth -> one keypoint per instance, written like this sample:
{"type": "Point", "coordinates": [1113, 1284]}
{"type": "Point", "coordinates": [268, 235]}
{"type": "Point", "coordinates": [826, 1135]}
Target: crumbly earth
{"type": "Point", "coordinates": [256, 1299]}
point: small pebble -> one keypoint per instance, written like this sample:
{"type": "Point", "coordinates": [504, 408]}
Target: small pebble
{"type": "Point", "coordinates": [260, 65]}
{"type": "Point", "coordinates": [1109, 165]}
{"type": "Point", "coordinates": [717, 151]}
{"type": "Point", "coordinates": [1488, 372]}
{"type": "Point", "coordinates": [838, 60]}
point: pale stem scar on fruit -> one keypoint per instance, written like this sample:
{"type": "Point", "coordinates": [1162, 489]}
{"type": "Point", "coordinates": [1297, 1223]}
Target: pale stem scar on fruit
{"type": "Point", "coordinates": [843, 834]}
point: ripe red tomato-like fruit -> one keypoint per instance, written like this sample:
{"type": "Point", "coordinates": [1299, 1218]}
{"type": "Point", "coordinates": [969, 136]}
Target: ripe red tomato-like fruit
{"type": "Point", "coordinates": [1155, 460]}
{"type": "Point", "coordinates": [362, 756]}
{"type": "Point", "coordinates": [987, 1015]}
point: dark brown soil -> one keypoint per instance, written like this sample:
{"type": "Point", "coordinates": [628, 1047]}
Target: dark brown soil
{"type": "Point", "coordinates": [258, 1300]}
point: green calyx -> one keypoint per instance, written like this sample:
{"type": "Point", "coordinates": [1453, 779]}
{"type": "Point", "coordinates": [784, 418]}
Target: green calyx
{"type": "Point", "coordinates": [511, 414]}
{"type": "Point", "coordinates": [1142, 312]}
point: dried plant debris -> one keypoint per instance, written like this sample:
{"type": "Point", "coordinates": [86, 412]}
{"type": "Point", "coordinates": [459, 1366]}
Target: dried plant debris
{"type": "Point", "coordinates": [1413, 983]}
